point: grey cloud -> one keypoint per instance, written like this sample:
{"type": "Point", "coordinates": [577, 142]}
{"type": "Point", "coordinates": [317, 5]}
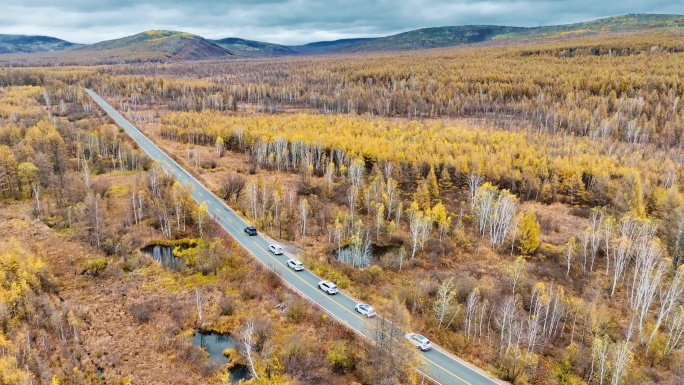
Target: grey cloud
{"type": "Point", "coordinates": [296, 21]}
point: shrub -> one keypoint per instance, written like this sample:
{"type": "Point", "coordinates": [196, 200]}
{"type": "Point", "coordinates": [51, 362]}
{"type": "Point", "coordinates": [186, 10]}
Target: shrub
{"type": "Point", "coordinates": [95, 267]}
{"type": "Point", "coordinates": [142, 312]}
{"type": "Point", "coordinates": [375, 272]}
{"type": "Point", "coordinates": [297, 311]}
{"type": "Point", "coordinates": [273, 279]}
{"type": "Point", "coordinates": [251, 291]}
{"type": "Point", "coordinates": [339, 357]}
{"type": "Point", "coordinates": [226, 305]}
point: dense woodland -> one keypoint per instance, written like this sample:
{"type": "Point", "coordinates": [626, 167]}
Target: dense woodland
{"type": "Point", "coordinates": [530, 195]}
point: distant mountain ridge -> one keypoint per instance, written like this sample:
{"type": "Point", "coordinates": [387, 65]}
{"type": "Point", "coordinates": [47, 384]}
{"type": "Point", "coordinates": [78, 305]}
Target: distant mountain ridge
{"type": "Point", "coordinates": [469, 34]}
{"type": "Point", "coordinates": [160, 45]}
{"type": "Point", "coordinates": [29, 44]}
{"type": "Point", "coordinates": [327, 46]}
{"type": "Point", "coordinates": [251, 48]}
{"type": "Point", "coordinates": [168, 44]}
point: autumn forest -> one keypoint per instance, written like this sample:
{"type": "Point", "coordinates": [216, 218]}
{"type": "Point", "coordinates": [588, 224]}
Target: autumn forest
{"type": "Point", "coordinates": [520, 203]}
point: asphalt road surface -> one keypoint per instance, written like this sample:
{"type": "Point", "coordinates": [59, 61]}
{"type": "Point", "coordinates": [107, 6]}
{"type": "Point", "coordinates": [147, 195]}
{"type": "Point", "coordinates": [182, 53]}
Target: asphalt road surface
{"type": "Point", "coordinates": [437, 364]}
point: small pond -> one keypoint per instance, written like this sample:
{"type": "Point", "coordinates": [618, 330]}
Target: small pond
{"type": "Point", "coordinates": [164, 256]}
{"type": "Point", "coordinates": [215, 344]}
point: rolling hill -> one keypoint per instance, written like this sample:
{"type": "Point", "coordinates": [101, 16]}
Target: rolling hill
{"type": "Point", "coordinates": [29, 44]}
{"type": "Point", "coordinates": [328, 46]}
{"type": "Point", "coordinates": [251, 48]}
{"type": "Point", "coordinates": [468, 34]}
{"type": "Point", "coordinates": [158, 44]}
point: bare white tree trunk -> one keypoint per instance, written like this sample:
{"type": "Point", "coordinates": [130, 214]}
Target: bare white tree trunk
{"type": "Point", "coordinates": [471, 309]}
{"type": "Point", "coordinates": [649, 270]}
{"type": "Point", "coordinates": [675, 332]}
{"type": "Point", "coordinates": [620, 253]}
{"type": "Point", "coordinates": [36, 194]}
{"type": "Point", "coordinates": [247, 344]}
{"type": "Point", "coordinates": [391, 197]}
{"type": "Point", "coordinates": [351, 199]}
{"type": "Point", "coordinates": [198, 304]}
{"type": "Point", "coordinates": [621, 359]}
{"type": "Point", "coordinates": [303, 215]}
{"type": "Point", "coordinates": [474, 182]}
{"type": "Point", "coordinates": [253, 198]}
{"type": "Point", "coordinates": [444, 305]}
{"type": "Point", "coordinates": [668, 298]}
{"type": "Point", "coordinates": [599, 358]}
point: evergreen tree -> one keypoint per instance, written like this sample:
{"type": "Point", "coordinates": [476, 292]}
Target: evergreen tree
{"type": "Point", "coordinates": [528, 241]}
{"type": "Point", "coordinates": [432, 185]}
{"type": "Point", "coordinates": [422, 195]}
{"type": "Point", "coordinates": [445, 183]}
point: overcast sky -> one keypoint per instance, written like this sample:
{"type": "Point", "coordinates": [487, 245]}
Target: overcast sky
{"type": "Point", "coordinates": [296, 21]}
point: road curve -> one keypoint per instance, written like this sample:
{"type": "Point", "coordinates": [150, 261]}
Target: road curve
{"type": "Point", "coordinates": [437, 364]}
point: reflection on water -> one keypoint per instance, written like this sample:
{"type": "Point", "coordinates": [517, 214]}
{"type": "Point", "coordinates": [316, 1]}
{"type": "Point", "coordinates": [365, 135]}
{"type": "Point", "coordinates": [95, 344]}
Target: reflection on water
{"type": "Point", "coordinates": [215, 344]}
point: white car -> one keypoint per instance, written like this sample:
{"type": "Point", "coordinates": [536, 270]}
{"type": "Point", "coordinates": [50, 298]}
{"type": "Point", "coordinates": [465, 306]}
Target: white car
{"type": "Point", "coordinates": [328, 287]}
{"type": "Point", "coordinates": [275, 249]}
{"type": "Point", "coordinates": [295, 265]}
{"type": "Point", "coordinates": [365, 309]}
{"type": "Point", "coordinates": [419, 341]}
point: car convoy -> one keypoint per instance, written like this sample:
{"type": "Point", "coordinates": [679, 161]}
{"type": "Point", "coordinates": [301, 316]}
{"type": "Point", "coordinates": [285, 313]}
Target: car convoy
{"type": "Point", "coordinates": [330, 288]}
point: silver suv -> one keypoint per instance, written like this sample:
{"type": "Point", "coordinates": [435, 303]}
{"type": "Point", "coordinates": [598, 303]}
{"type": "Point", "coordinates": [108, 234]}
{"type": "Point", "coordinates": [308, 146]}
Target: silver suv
{"type": "Point", "coordinates": [419, 341]}
{"type": "Point", "coordinates": [295, 265]}
{"type": "Point", "coordinates": [275, 249]}
{"type": "Point", "coordinates": [328, 287]}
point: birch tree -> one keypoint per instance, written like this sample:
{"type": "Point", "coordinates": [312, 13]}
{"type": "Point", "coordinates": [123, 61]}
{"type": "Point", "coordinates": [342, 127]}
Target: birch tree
{"type": "Point", "coordinates": [501, 218]}
{"type": "Point", "coordinates": [352, 194]}
{"type": "Point", "coordinates": [379, 209]}
{"type": "Point", "coordinates": [516, 271]}
{"type": "Point", "coordinates": [675, 332]}
{"type": "Point", "coordinates": [474, 182]}
{"type": "Point", "coordinates": [471, 311]}
{"type": "Point", "coordinates": [390, 197]}
{"type": "Point", "coordinates": [96, 217]}
{"type": "Point", "coordinates": [621, 358]}
{"type": "Point", "coordinates": [599, 359]}
{"type": "Point", "coordinates": [620, 256]}
{"type": "Point", "coordinates": [445, 306]}
{"type": "Point", "coordinates": [596, 224]}
{"type": "Point", "coordinates": [417, 223]}
{"type": "Point", "coordinates": [202, 213]}
{"type": "Point", "coordinates": [247, 344]}
{"type": "Point", "coordinates": [219, 146]}
{"type": "Point", "coordinates": [482, 203]}
{"type": "Point", "coordinates": [569, 252]}
{"type": "Point", "coordinates": [648, 271]}
{"type": "Point", "coordinates": [253, 198]}
{"type": "Point", "coordinates": [303, 215]}
{"type": "Point", "coordinates": [668, 298]}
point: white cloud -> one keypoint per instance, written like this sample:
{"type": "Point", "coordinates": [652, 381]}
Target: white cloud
{"type": "Point", "coordinates": [296, 21]}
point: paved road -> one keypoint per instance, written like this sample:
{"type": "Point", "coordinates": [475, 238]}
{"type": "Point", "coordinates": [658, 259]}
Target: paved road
{"type": "Point", "coordinates": [438, 365]}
